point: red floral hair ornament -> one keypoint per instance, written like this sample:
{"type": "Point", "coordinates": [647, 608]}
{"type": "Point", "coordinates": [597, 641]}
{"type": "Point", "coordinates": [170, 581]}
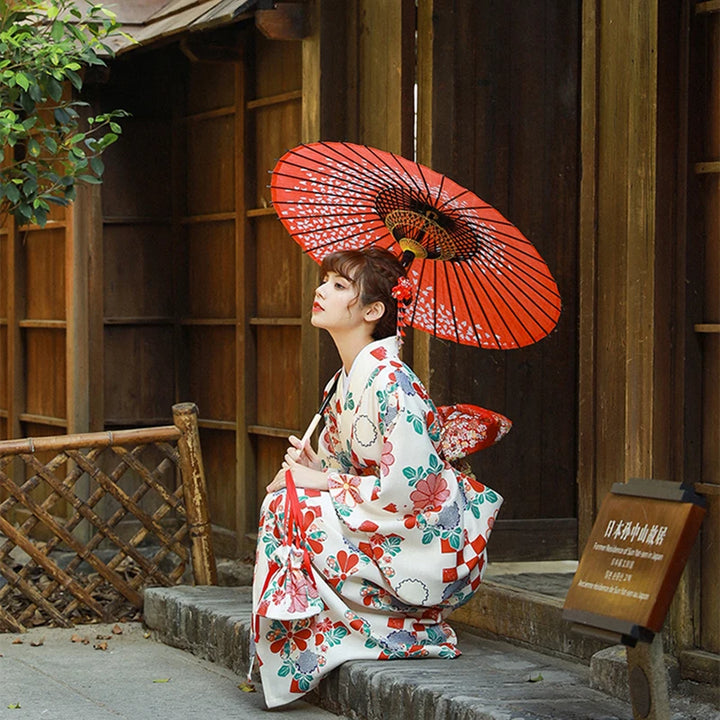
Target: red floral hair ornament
{"type": "Point", "coordinates": [403, 293]}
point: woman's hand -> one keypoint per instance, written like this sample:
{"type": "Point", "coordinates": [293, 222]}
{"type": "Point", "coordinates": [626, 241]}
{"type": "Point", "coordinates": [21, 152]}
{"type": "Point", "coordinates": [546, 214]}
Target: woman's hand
{"type": "Point", "coordinates": [301, 455]}
{"type": "Point", "coordinates": [303, 476]}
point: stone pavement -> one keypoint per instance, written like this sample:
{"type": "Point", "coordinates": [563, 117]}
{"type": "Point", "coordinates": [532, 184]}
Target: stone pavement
{"type": "Point", "coordinates": [50, 677]}
{"type": "Point", "coordinates": [492, 680]}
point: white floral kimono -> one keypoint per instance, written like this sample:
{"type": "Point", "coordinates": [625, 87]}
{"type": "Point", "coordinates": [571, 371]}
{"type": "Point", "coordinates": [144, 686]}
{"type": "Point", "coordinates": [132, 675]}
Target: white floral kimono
{"type": "Point", "coordinates": [396, 543]}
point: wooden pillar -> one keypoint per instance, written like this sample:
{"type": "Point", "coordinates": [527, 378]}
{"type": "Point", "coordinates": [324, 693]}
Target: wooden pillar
{"type": "Point", "coordinates": [626, 258]}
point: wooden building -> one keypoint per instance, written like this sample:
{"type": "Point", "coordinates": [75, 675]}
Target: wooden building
{"type": "Point", "coordinates": [593, 125]}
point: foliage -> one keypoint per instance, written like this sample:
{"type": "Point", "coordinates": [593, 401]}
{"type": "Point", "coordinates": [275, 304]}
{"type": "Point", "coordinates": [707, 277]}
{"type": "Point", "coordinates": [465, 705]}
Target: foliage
{"type": "Point", "coordinates": [45, 145]}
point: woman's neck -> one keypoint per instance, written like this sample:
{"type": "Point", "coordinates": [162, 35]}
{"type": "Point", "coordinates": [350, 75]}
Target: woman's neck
{"type": "Point", "coordinates": [349, 346]}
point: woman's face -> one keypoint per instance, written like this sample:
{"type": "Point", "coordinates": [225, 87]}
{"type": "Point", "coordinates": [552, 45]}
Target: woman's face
{"type": "Point", "coordinates": [337, 304]}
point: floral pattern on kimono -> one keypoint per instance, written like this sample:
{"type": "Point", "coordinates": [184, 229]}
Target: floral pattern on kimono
{"type": "Point", "coordinates": [397, 542]}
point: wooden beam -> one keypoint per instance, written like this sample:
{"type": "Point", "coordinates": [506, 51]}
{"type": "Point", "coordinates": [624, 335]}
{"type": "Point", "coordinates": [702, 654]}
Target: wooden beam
{"type": "Point", "coordinates": [287, 21]}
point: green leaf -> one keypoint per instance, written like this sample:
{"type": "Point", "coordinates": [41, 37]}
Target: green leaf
{"type": "Point", "coordinates": [75, 79]}
{"type": "Point", "coordinates": [12, 193]}
{"type": "Point", "coordinates": [54, 89]}
{"type": "Point", "coordinates": [22, 80]}
{"type": "Point", "coordinates": [58, 29]}
{"type": "Point", "coordinates": [97, 165]}
{"type": "Point", "coordinates": [33, 147]}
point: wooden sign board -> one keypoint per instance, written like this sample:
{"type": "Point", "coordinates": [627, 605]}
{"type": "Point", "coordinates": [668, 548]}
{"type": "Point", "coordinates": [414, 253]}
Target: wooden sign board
{"type": "Point", "coordinates": [632, 562]}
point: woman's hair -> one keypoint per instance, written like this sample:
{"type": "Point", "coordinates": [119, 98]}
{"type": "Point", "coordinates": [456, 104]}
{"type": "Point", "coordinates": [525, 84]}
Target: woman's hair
{"type": "Point", "coordinates": [375, 273]}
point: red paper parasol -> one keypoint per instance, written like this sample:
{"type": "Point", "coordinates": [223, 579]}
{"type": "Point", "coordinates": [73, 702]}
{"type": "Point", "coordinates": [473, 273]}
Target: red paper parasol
{"type": "Point", "coordinates": [476, 279]}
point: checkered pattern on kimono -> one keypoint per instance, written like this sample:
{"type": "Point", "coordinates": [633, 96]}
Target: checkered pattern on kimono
{"type": "Point", "coordinates": [465, 560]}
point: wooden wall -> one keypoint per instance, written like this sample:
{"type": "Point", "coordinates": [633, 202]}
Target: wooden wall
{"type": "Point", "coordinates": [499, 113]}
{"type": "Point", "coordinates": [35, 323]}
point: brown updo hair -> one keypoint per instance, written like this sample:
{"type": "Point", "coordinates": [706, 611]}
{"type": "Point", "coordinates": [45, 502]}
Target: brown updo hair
{"type": "Point", "coordinates": [375, 272]}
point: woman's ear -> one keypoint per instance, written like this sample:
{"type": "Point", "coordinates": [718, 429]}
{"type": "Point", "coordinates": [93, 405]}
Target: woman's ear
{"type": "Point", "coordinates": [374, 311]}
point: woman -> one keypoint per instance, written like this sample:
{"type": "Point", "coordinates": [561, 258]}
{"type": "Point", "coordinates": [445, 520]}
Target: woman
{"type": "Point", "coordinates": [396, 535]}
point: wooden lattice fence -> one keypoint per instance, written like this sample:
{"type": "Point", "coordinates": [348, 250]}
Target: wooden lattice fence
{"type": "Point", "coordinates": [87, 521]}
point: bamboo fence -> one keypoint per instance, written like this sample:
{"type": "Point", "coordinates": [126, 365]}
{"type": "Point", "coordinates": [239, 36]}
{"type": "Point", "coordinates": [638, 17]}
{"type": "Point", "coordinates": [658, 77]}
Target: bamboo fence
{"type": "Point", "coordinates": [87, 521]}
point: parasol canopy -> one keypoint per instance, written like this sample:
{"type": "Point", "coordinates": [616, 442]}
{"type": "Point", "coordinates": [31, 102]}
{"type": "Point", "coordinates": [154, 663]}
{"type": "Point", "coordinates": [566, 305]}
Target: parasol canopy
{"type": "Point", "coordinates": [476, 279]}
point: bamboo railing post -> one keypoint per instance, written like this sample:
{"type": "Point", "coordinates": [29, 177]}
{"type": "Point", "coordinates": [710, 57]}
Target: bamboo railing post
{"type": "Point", "coordinates": [195, 490]}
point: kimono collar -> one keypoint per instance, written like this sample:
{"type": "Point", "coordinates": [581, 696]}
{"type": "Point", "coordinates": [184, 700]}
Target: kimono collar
{"type": "Point", "coordinates": [385, 349]}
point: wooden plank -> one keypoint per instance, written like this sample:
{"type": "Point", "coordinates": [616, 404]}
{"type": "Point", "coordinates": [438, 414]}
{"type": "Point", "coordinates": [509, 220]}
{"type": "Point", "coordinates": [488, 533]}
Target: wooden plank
{"type": "Point", "coordinates": [136, 272]}
{"type": "Point", "coordinates": [45, 324]}
{"type": "Point", "coordinates": [217, 424]}
{"type": "Point", "coordinates": [46, 368]}
{"type": "Point", "coordinates": [136, 220]}
{"type": "Point", "coordinates": [209, 217]}
{"type": "Point", "coordinates": [701, 666]}
{"type": "Point", "coordinates": [707, 328]}
{"type": "Point", "coordinates": [127, 391]}
{"type": "Point", "coordinates": [707, 488]}
{"type": "Point", "coordinates": [208, 322]}
{"type": "Point", "coordinates": [278, 268]}
{"type": "Point", "coordinates": [278, 365]}
{"type": "Point", "coordinates": [266, 431]}
{"type": "Point", "coordinates": [707, 6]}
{"type": "Point", "coordinates": [275, 321]}
{"type": "Point", "coordinates": [274, 99]}
{"type": "Point", "coordinates": [707, 167]}
{"type": "Point", "coordinates": [278, 128]}
{"type": "Point", "coordinates": [261, 212]}
{"type": "Point", "coordinates": [208, 114]}
{"type": "Point", "coordinates": [277, 67]}
{"type": "Point", "coordinates": [211, 282]}
{"type": "Point", "coordinates": [137, 321]}
{"type": "Point", "coordinates": [43, 419]}
{"type": "Point", "coordinates": [212, 363]}
{"type": "Point", "coordinates": [211, 170]}
{"type": "Point", "coordinates": [46, 283]}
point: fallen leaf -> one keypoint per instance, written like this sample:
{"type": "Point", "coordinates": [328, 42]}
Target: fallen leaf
{"type": "Point", "coordinates": [103, 637]}
{"type": "Point", "coordinates": [117, 630]}
{"type": "Point", "coordinates": [246, 686]}
{"type": "Point", "coordinates": [37, 643]}
{"type": "Point", "coordinates": [101, 646]}
{"type": "Point", "coordinates": [17, 641]}
{"type": "Point", "coordinates": [15, 706]}
{"type": "Point", "coordinates": [161, 680]}
{"type": "Point", "coordinates": [537, 678]}
{"type": "Point", "coordinates": [146, 635]}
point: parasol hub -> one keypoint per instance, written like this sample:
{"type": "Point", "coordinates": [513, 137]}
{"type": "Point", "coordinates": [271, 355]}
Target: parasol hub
{"type": "Point", "coordinates": [412, 246]}
{"type": "Point", "coordinates": [421, 233]}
